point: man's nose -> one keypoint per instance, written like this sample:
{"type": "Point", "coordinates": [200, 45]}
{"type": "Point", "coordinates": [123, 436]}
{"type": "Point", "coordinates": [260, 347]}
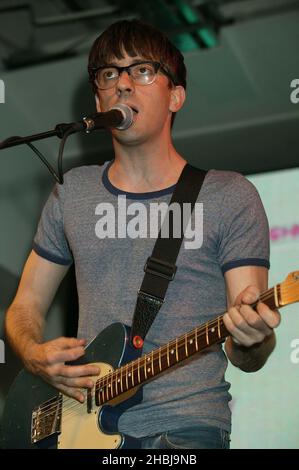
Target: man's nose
{"type": "Point", "coordinates": [125, 82]}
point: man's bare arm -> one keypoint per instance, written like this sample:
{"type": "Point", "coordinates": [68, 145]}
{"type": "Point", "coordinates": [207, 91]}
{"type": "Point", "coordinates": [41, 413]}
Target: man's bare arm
{"type": "Point", "coordinates": [253, 337]}
{"type": "Point", "coordinates": [24, 320]}
{"type": "Point", "coordinates": [24, 324]}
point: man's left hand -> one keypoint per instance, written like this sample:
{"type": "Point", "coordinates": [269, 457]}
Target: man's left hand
{"type": "Point", "coordinates": [246, 325]}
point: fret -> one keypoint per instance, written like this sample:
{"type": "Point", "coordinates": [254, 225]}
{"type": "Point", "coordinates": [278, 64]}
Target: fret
{"type": "Point", "coordinates": [132, 372]}
{"type": "Point", "coordinates": [116, 383]}
{"type": "Point", "coordinates": [98, 396]}
{"type": "Point", "coordinates": [218, 327]}
{"type": "Point", "coordinates": [96, 393]}
{"type": "Point", "coordinates": [153, 370]}
{"type": "Point", "coordinates": [121, 380]}
{"type": "Point", "coordinates": [176, 350]}
{"type": "Point", "coordinates": [272, 297]}
{"type": "Point", "coordinates": [111, 385]}
{"type": "Point", "coordinates": [103, 393]}
{"type": "Point", "coordinates": [272, 301]}
{"type": "Point", "coordinates": [145, 372]}
{"type": "Point", "coordinates": [186, 345]}
{"type": "Point", "coordinates": [168, 362]}
{"type": "Point", "coordinates": [104, 389]}
{"type": "Point", "coordinates": [138, 362]}
{"type": "Point", "coordinates": [191, 342]}
{"type": "Point", "coordinates": [127, 376]}
{"type": "Point", "coordinates": [276, 297]}
{"type": "Point", "coordinates": [100, 392]}
{"type": "Point", "coordinates": [160, 364]}
{"type": "Point", "coordinates": [120, 384]}
{"type": "Point", "coordinates": [107, 390]}
{"type": "Point", "coordinates": [207, 334]}
{"type": "Point", "coordinates": [196, 339]}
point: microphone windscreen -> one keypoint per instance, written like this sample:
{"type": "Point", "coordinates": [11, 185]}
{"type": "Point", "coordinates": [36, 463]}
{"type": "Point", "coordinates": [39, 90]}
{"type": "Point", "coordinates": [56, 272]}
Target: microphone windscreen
{"type": "Point", "coordinates": [127, 113]}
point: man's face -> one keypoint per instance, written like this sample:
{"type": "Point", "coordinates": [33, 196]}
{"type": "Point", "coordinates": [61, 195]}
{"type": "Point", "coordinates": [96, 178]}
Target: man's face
{"type": "Point", "coordinates": [154, 104]}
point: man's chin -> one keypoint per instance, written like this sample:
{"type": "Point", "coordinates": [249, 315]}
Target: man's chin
{"type": "Point", "coordinates": [129, 138]}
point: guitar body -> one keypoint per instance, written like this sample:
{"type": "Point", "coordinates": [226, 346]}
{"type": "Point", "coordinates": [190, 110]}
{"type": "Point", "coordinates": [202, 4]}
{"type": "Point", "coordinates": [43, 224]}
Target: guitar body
{"type": "Point", "coordinates": [78, 428]}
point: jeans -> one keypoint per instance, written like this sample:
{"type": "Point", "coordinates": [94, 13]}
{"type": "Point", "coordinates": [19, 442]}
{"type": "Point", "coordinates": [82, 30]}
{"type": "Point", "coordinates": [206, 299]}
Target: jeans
{"type": "Point", "coordinates": [196, 437]}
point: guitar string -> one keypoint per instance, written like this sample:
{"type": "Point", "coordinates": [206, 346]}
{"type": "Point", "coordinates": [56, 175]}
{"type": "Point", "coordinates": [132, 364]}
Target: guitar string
{"type": "Point", "coordinates": [75, 403]}
{"type": "Point", "coordinates": [68, 412]}
{"type": "Point", "coordinates": [51, 407]}
{"type": "Point", "coordinates": [201, 331]}
{"type": "Point", "coordinates": [154, 357]}
{"type": "Point", "coordinates": [201, 328]}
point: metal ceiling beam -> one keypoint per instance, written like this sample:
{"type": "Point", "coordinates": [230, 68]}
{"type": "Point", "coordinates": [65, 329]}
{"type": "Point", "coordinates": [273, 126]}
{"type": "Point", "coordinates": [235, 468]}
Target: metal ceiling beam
{"type": "Point", "coordinates": [72, 17]}
{"type": "Point", "coordinates": [60, 19]}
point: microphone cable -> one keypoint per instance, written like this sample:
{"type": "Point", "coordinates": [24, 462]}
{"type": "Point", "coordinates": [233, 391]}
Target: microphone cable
{"type": "Point", "coordinates": [88, 124]}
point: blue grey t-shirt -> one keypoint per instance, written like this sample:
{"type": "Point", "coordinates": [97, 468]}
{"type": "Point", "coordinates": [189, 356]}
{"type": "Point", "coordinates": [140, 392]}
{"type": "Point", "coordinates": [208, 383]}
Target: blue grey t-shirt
{"type": "Point", "coordinates": [109, 241]}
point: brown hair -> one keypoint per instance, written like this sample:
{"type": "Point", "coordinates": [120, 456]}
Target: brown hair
{"type": "Point", "coordinates": [136, 38]}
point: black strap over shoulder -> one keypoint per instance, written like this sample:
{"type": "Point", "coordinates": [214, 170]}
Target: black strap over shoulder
{"type": "Point", "coordinates": [160, 267]}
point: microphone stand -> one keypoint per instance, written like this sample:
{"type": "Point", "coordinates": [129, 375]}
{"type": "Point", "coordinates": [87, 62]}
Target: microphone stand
{"type": "Point", "coordinates": [120, 116]}
{"type": "Point", "coordinates": [61, 130]}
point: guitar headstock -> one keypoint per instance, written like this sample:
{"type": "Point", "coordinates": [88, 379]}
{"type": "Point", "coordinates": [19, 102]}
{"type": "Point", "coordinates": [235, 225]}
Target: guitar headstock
{"type": "Point", "coordinates": [289, 289]}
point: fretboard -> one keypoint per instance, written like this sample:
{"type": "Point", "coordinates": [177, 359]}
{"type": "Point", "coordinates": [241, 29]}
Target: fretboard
{"type": "Point", "coordinates": [156, 362]}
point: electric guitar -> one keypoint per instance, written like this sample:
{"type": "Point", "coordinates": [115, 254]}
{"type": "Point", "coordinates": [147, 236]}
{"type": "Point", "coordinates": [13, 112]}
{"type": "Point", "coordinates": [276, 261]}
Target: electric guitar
{"type": "Point", "coordinates": [36, 416]}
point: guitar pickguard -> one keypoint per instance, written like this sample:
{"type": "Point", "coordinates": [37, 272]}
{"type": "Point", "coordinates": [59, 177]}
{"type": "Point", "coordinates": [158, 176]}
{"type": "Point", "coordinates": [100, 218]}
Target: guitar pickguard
{"type": "Point", "coordinates": [81, 429]}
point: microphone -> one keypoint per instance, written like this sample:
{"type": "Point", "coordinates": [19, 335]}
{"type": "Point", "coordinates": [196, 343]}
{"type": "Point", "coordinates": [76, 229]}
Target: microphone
{"type": "Point", "coordinates": [119, 116]}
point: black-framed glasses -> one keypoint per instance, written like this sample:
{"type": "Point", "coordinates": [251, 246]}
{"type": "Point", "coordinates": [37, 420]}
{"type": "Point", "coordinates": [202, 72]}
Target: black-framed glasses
{"type": "Point", "coordinates": [142, 73]}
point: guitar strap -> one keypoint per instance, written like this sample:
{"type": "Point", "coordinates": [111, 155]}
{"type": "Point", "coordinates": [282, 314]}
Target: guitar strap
{"type": "Point", "coordinates": [160, 267]}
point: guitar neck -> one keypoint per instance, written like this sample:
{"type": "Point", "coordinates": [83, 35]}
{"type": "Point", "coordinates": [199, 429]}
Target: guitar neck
{"type": "Point", "coordinates": [156, 362]}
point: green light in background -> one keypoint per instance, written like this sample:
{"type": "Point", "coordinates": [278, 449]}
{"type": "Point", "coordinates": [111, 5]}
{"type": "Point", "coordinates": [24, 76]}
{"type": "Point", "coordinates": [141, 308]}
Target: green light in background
{"type": "Point", "coordinates": [175, 17]}
{"type": "Point", "coordinates": [191, 16]}
{"type": "Point", "coordinates": [167, 19]}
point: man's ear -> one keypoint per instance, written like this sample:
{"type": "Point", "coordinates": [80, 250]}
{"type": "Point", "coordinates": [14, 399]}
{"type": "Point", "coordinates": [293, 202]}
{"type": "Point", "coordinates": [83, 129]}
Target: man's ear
{"type": "Point", "coordinates": [98, 106]}
{"type": "Point", "coordinates": [177, 98]}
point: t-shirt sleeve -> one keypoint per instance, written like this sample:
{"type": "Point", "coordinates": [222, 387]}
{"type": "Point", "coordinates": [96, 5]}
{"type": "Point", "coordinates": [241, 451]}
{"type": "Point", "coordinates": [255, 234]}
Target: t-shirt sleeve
{"type": "Point", "coordinates": [50, 241]}
{"type": "Point", "coordinates": [244, 233]}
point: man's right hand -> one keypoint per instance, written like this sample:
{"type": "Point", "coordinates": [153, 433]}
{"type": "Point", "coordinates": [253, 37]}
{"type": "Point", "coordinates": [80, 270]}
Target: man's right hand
{"type": "Point", "coordinates": [48, 361]}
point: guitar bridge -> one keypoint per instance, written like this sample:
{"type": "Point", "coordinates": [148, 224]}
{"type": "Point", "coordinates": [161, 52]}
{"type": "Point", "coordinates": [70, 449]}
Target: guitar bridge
{"type": "Point", "coordinates": [46, 419]}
